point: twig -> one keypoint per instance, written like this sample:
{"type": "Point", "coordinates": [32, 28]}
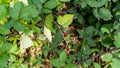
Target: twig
{"type": "Point", "coordinates": [62, 12]}
{"type": "Point", "coordinates": [77, 6]}
{"type": "Point", "coordinates": [59, 28]}
{"type": "Point", "coordinates": [100, 54]}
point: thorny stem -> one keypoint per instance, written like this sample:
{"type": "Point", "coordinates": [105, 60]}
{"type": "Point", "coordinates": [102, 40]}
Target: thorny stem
{"type": "Point", "coordinates": [59, 28]}
{"type": "Point", "coordinates": [77, 6]}
{"type": "Point", "coordinates": [98, 55]}
{"type": "Point", "coordinates": [61, 33]}
{"type": "Point", "coordinates": [58, 13]}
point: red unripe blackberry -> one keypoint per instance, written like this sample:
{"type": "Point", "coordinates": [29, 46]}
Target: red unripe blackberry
{"type": "Point", "coordinates": [65, 34]}
{"type": "Point", "coordinates": [71, 28]}
{"type": "Point", "coordinates": [62, 46]}
{"type": "Point", "coordinates": [59, 47]}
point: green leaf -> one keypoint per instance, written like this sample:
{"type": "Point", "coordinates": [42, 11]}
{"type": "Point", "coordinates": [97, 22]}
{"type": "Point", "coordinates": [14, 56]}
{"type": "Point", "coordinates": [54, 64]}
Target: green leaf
{"type": "Point", "coordinates": [5, 47]}
{"type": "Point", "coordinates": [35, 29]}
{"type": "Point", "coordinates": [88, 35]}
{"type": "Point", "coordinates": [38, 4]}
{"type": "Point", "coordinates": [96, 13]}
{"type": "Point", "coordinates": [23, 66]}
{"type": "Point", "coordinates": [10, 23]}
{"type": "Point", "coordinates": [89, 31]}
{"type": "Point", "coordinates": [81, 33]}
{"type": "Point", "coordinates": [80, 18]}
{"type": "Point", "coordinates": [107, 41]}
{"type": "Point", "coordinates": [47, 10]}
{"type": "Point", "coordinates": [36, 20]}
{"type": "Point", "coordinates": [55, 62]}
{"type": "Point", "coordinates": [92, 3]}
{"type": "Point", "coordinates": [19, 26]}
{"type": "Point", "coordinates": [71, 66]}
{"type": "Point", "coordinates": [83, 4]}
{"type": "Point", "coordinates": [3, 11]}
{"type": "Point", "coordinates": [65, 20]}
{"type": "Point", "coordinates": [12, 58]}
{"type": "Point", "coordinates": [115, 63]}
{"type": "Point", "coordinates": [57, 39]}
{"type": "Point", "coordinates": [98, 3]}
{"type": "Point", "coordinates": [91, 20]}
{"type": "Point", "coordinates": [96, 65]}
{"type": "Point", "coordinates": [28, 13]}
{"type": "Point", "coordinates": [86, 50]}
{"type": "Point", "coordinates": [116, 41]}
{"type": "Point", "coordinates": [20, 60]}
{"type": "Point", "coordinates": [3, 60]}
{"type": "Point", "coordinates": [108, 26]}
{"type": "Point", "coordinates": [4, 1]}
{"type": "Point", "coordinates": [51, 4]}
{"type": "Point", "coordinates": [63, 56]}
{"type": "Point", "coordinates": [65, 0]}
{"type": "Point", "coordinates": [38, 61]}
{"type": "Point", "coordinates": [15, 11]}
{"type": "Point", "coordinates": [114, 0]}
{"type": "Point", "coordinates": [49, 22]}
{"type": "Point", "coordinates": [1, 41]}
{"type": "Point", "coordinates": [90, 42]}
{"type": "Point", "coordinates": [105, 14]}
{"type": "Point", "coordinates": [13, 49]}
{"type": "Point", "coordinates": [105, 30]}
{"type": "Point", "coordinates": [107, 57]}
{"type": "Point", "coordinates": [43, 1]}
{"type": "Point", "coordinates": [4, 30]}
{"type": "Point", "coordinates": [49, 18]}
